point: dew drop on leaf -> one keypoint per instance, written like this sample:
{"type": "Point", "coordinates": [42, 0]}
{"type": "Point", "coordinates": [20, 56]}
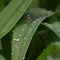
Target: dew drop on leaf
{"type": "Point", "coordinates": [19, 35]}
{"type": "Point", "coordinates": [28, 16]}
{"type": "Point", "coordinates": [34, 21]}
{"type": "Point", "coordinates": [22, 30]}
{"type": "Point", "coordinates": [17, 39]}
{"type": "Point", "coordinates": [12, 53]}
{"type": "Point", "coordinates": [22, 7]}
{"type": "Point", "coordinates": [23, 58]}
{"type": "Point", "coordinates": [25, 38]}
{"type": "Point", "coordinates": [14, 39]}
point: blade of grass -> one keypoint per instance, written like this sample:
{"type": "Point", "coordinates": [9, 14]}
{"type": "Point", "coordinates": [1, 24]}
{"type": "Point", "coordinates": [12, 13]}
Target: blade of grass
{"type": "Point", "coordinates": [24, 31]}
{"type": "Point", "coordinates": [11, 14]}
{"type": "Point", "coordinates": [49, 51]}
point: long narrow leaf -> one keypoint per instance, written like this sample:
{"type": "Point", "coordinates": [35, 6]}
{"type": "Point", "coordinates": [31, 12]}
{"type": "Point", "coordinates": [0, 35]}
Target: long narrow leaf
{"type": "Point", "coordinates": [11, 14]}
{"type": "Point", "coordinates": [23, 33]}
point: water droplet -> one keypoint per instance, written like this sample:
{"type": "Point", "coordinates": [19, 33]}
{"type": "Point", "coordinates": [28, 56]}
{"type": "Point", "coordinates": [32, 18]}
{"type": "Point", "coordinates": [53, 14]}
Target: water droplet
{"type": "Point", "coordinates": [17, 39]}
{"type": "Point", "coordinates": [22, 7]}
{"type": "Point", "coordinates": [19, 35]}
{"type": "Point", "coordinates": [34, 21]}
{"type": "Point", "coordinates": [37, 19]}
{"type": "Point", "coordinates": [25, 38]}
{"type": "Point", "coordinates": [23, 58]}
{"type": "Point", "coordinates": [28, 16]}
{"type": "Point", "coordinates": [22, 30]}
{"type": "Point", "coordinates": [12, 53]}
{"type": "Point", "coordinates": [14, 39]}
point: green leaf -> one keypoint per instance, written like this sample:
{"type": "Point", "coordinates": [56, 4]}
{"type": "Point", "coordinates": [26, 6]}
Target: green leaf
{"type": "Point", "coordinates": [47, 53]}
{"type": "Point", "coordinates": [11, 15]}
{"type": "Point", "coordinates": [55, 27]}
{"type": "Point", "coordinates": [1, 8]}
{"type": "Point", "coordinates": [24, 31]}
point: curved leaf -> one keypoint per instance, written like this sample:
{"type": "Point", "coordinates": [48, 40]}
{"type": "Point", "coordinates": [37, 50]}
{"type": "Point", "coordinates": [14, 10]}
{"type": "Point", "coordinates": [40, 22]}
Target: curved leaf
{"type": "Point", "coordinates": [24, 31]}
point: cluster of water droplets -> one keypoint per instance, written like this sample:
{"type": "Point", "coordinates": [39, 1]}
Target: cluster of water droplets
{"type": "Point", "coordinates": [20, 10]}
{"type": "Point", "coordinates": [28, 16]}
{"type": "Point", "coordinates": [23, 58]}
{"type": "Point", "coordinates": [38, 19]}
{"type": "Point", "coordinates": [16, 40]}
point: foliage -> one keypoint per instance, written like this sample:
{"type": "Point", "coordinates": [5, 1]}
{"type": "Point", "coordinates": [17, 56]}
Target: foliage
{"type": "Point", "coordinates": [29, 30]}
